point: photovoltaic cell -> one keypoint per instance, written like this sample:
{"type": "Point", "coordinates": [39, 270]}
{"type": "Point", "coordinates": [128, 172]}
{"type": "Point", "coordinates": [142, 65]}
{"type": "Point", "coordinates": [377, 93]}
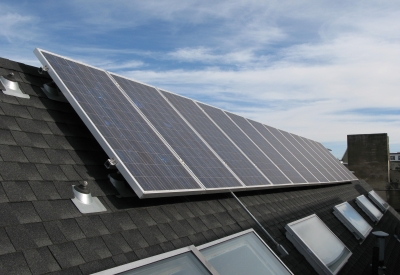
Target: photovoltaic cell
{"type": "Point", "coordinates": [242, 167]}
{"type": "Point", "coordinates": [313, 147]}
{"type": "Point", "coordinates": [347, 174]}
{"type": "Point", "coordinates": [165, 144]}
{"type": "Point", "coordinates": [267, 148]}
{"type": "Point", "coordinates": [245, 144]}
{"type": "Point", "coordinates": [301, 154]}
{"type": "Point", "coordinates": [197, 156]}
{"type": "Point", "coordinates": [332, 172]}
{"type": "Point", "coordinates": [284, 152]}
{"type": "Point", "coordinates": [117, 122]}
{"type": "Point", "coordinates": [325, 154]}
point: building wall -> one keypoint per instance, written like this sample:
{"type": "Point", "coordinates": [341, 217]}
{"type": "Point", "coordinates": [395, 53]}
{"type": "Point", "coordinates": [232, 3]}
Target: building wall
{"type": "Point", "coordinates": [368, 157]}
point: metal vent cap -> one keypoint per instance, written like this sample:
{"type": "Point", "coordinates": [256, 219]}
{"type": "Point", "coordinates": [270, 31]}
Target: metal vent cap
{"type": "Point", "coordinates": [11, 86]}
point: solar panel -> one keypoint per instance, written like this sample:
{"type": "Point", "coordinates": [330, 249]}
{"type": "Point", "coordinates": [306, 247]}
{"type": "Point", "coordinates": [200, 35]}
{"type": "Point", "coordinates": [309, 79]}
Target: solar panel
{"type": "Point", "coordinates": [166, 145]}
{"type": "Point", "coordinates": [310, 155]}
{"type": "Point", "coordinates": [143, 158]}
{"type": "Point", "coordinates": [267, 149]}
{"type": "Point", "coordinates": [230, 154]}
{"type": "Point", "coordinates": [290, 143]}
{"type": "Point", "coordinates": [193, 151]}
{"type": "Point", "coordinates": [284, 151]}
{"type": "Point", "coordinates": [332, 175]}
{"type": "Point", "coordinates": [346, 173]}
{"type": "Point", "coordinates": [267, 167]}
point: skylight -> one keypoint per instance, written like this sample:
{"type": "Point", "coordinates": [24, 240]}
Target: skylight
{"type": "Point", "coordinates": [352, 220]}
{"type": "Point", "coordinates": [373, 213]}
{"type": "Point", "coordinates": [238, 254]}
{"type": "Point", "coordinates": [181, 261]}
{"type": "Point", "coordinates": [383, 206]}
{"type": "Point", "coordinates": [243, 253]}
{"type": "Point", "coordinates": [322, 249]}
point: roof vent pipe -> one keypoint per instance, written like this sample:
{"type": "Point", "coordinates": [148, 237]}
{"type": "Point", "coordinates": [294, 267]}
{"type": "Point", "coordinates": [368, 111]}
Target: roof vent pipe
{"type": "Point", "coordinates": [280, 247]}
{"type": "Point", "coordinates": [84, 201]}
{"type": "Point", "coordinates": [378, 253]}
{"type": "Point", "coordinates": [11, 86]}
{"type": "Point", "coordinates": [53, 92]}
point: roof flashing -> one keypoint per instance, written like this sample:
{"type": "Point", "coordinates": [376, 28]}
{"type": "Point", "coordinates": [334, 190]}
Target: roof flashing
{"type": "Point", "coordinates": [84, 201]}
{"type": "Point", "coordinates": [11, 86]}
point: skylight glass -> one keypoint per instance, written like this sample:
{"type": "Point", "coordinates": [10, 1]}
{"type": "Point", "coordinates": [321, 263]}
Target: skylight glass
{"type": "Point", "coordinates": [352, 220]}
{"type": "Point", "coordinates": [323, 250]}
{"type": "Point", "coordinates": [185, 263]}
{"type": "Point", "coordinates": [243, 254]}
{"type": "Point", "coordinates": [187, 260]}
{"type": "Point", "coordinates": [383, 206]}
{"type": "Point", "coordinates": [373, 213]}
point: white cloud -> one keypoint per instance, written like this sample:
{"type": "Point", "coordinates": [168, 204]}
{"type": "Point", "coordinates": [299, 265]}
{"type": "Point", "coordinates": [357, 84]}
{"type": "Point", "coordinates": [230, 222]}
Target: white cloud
{"type": "Point", "coordinates": [14, 26]}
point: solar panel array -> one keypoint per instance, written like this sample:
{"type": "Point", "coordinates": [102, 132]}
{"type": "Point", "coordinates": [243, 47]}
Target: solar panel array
{"type": "Point", "coordinates": [165, 144]}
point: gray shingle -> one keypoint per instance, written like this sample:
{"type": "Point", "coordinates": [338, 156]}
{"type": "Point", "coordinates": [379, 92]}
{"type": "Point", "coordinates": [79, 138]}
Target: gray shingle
{"type": "Point", "coordinates": [12, 153]}
{"type": "Point", "coordinates": [18, 191]}
{"type": "Point", "coordinates": [96, 266]}
{"type": "Point", "coordinates": [9, 123]}
{"type": "Point", "coordinates": [62, 230]}
{"type": "Point", "coordinates": [116, 243]}
{"type": "Point", "coordinates": [28, 236]}
{"type": "Point", "coordinates": [152, 235]}
{"type": "Point", "coordinates": [141, 217]}
{"type": "Point", "coordinates": [3, 196]}
{"type": "Point", "coordinates": [66, 254]}
{"type": "Point", "coordinates": [51, 172]}
{"type": "Point", "coordinates": [13, 110]}
{"type": "Point", "coordinates": [92, 226]}
{"type": "Point", "coordinates": [6, 138]}
{"type": "Point", "coordinates": [70, 172]}
{"type": "Point", "coordinates": [29, 139]}
{"type": "Point", "coordinates": [59, 156]}
{"type": "Point", "coordinates": [119, 221]}
{"type": "Point", "coordinates": [19, 171]}
{"type": "Point", "coordinates": [44, 190]}
{"type": "Point", "coordinates": [7, 215]}
{"type": "Point", "coordinates": [25, 212]}
{"type": "Point", "coordinates": [41, 261]}
{"type": "Point", "coordinates": [56, 210]}
{"type": "Point", "coordinates": [14, 264]}
{"type": "Point", "coordinates": [135, 239]}
{"type": "Point", "coordinates": [6, 246]}
{"type": "Point", "coordinates": [36, 155]}
{"type": "Point", "coordinates": [92, 249]}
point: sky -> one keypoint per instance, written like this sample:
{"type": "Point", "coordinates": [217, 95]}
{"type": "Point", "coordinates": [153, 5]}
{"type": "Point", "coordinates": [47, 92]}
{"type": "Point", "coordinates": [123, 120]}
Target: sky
{"type": "Point", "coordinates": [319, 69]}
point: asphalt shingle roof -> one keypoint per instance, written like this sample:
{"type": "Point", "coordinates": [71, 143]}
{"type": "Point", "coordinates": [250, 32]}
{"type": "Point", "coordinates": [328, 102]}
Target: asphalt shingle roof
{"type": "Point", "coordinates": [45, 149]}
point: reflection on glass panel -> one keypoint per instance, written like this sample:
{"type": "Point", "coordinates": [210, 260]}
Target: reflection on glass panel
{"type": "Point", "coordinates": [378, 200]}
{"type": "Point", "coordinates": [351, 215]}
{"type": "Point", "coordinates": [352, 220]}
{"type": "Point", "coordinates": [183, 264]}
{"type": "Point", "coordinates": [243, 255]}
{"type": "Point", "coordinates": [321, 241]}
{"type": "Point", "coordinates": [369, 207]}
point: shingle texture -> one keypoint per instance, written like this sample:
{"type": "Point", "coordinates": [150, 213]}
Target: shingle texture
{"type": "Point", "coordinates": [45, 149]}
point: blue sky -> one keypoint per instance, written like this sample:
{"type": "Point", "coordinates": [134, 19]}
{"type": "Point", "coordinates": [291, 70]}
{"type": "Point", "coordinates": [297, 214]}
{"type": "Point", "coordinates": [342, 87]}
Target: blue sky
{"type": "Point", "coordinates": [320, 69]}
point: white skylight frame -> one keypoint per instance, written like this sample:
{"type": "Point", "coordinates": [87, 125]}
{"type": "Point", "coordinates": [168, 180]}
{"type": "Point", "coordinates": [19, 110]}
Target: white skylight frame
{"type": "Point", "coordinates": [366, 205]}
{"type": "Point", "coordinates": [352, 222]}
{"type": "Point", "coordinates": [373, 196]}
{"type": "Point", "coordinates": [276, 260]}
{"type": "Point", "coordinates": [310, 253]}
{"type": "Point", "coordinates": [152, 260]}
